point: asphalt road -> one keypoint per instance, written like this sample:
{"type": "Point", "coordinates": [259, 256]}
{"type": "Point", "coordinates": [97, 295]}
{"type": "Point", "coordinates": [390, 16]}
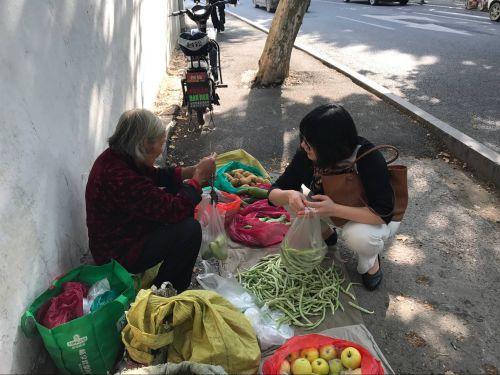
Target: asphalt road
{"type": "Point", "coordinates": [439, 56]}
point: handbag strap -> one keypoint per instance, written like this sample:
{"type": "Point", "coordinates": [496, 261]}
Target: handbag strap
{"type": "Point", "coordinates": [378, 148]}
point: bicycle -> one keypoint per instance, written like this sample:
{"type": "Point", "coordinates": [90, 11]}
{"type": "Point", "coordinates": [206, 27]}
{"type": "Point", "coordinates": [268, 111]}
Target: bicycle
{"type": "Point", "coordinates": [203, 74]}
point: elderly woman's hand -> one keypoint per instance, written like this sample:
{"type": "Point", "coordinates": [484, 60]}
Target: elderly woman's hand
{"type": "Point", "coordinates": [204, 169]}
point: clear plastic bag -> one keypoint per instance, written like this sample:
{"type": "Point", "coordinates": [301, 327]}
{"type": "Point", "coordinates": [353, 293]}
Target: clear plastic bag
{"type": "Point", "coordinates": [98, 288]}
{"type": "Point", "coordinates": [268, 331]}
{"type": "Point", "coordinates": [263, 320]}
{"type": "Point", "coordinates": [214, 242]}
{"type": "Point", "coordinates": [303, 247]}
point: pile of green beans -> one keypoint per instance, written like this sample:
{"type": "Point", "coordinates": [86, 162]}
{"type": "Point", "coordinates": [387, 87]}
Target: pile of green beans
{"type": "Point", "coordinates": [300, 296]}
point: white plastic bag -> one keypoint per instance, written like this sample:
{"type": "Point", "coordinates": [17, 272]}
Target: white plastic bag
{"type": "Point", "coordinates": [268, 331]}
{"type": "Point", "coordinates": [98, 288]}
{"type": "Point", "coordinates": [303, 247]}
{"type": "Point", "coordinates": [263, 320]}
{"type": "Point", "coordinates": [214, 239]}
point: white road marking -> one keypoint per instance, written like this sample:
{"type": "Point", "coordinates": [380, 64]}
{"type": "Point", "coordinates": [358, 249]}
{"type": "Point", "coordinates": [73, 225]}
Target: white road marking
{"type": "Point", "coordinates": [453, 18]}
{"type": "Point", "coordinates": [366, 23]}
{"type": "Point", "coordinates": [406, 21]}
{"type": "Point", "coordinates": [459, 14]}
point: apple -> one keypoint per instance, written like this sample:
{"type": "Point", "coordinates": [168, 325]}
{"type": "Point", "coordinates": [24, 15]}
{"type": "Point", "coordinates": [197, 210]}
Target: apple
{"type": "Point", "coordinates": [327, 352]}
{"type": "Point", "coordinates": [320, 367]}
{"type": "Point", "coordinates": [351, 372]}
{"type": "Point", "coordinates": [351, 358]}
{"type": "Point", "coordinates": [310, 353]}
{"type": "Point", "coordinates": [293, 356]}
{"type": "Point", "coordinates": [335, 366]}
{"type": "Point", "coordinates": [285, 368]}
{"type": "Point", "coordinates": [301, 366]}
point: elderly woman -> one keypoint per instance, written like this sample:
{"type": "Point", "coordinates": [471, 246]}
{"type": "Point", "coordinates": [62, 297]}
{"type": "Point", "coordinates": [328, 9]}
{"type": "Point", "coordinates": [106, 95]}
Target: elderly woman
{"type": "Point", "coordinates": [329, 142]}
{"type": "Point", "coordinates": [141, 215]}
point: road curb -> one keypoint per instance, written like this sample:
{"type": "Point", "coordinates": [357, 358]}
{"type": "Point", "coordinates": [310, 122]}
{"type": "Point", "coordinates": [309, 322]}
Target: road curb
{"type": "Point", "coordinates": [484, 161]}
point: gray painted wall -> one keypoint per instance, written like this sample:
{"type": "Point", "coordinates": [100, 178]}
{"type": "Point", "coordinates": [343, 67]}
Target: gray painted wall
{"type": "Point", "coordinates": [68, 69]}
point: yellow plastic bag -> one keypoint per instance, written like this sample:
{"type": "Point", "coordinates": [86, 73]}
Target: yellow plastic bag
{"type": "Point", "coordinates": [243, 157]}
{"type": "Point", "coordinates": [201, 327]}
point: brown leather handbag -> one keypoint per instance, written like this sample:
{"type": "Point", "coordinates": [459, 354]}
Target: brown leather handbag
{"type": "Point", "coordinates": [347, 189]}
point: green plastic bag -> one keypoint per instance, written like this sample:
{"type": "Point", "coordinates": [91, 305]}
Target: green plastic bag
{"type": "Point", "coordinates": [89, 344]}
{"type": "Point", "coordinates": [221, 181]}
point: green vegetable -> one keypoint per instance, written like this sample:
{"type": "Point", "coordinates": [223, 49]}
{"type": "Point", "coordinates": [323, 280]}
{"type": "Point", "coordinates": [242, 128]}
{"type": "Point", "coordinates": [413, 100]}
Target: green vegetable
{"type": "Point", "coordinates": [300, 296]}
{"type": "Point", "coordinates": [254, 192]}
{"type": "Point", "coordinates": [302, 260]}
{"type": "Point", "coordinates": [218, 247]}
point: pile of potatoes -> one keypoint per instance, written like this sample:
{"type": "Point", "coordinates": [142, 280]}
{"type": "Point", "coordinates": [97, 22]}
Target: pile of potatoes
{"type": "Point", "coordinates": [242, 178]}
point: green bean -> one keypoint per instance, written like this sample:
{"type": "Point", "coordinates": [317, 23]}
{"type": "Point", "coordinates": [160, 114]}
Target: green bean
{"type": "Point", "coordinates": [360, 308]}
{"type": "Point", "coordinates": [298, 294]}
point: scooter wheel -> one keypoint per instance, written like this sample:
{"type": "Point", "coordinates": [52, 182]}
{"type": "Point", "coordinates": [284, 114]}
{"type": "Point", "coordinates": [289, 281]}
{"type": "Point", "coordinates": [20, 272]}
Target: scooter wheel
{"type": "Point", "coordinates": [199, 116]}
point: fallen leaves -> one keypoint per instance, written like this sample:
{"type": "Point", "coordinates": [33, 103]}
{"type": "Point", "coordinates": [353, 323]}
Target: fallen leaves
{"type": "Point", "coordinates": [415, 340]}
{"type": "Point", "coordinates": [422, 280]}
{"type": "Point", "coordinates": [401, 237]}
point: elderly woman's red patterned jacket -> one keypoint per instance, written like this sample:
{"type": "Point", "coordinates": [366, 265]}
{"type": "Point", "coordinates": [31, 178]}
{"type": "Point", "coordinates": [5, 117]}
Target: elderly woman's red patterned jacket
{"type": "Point", "coordinates": [125, 203]}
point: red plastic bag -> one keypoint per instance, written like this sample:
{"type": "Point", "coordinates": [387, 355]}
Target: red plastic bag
{"type": "Point", "coordinates": [228, 205]}
{"type": "Point", "coordinates": [66, 306]}
{"type": "Point", "coordinates": [369, 365]}
{"type": "Point", "coordinates": [260, 234]}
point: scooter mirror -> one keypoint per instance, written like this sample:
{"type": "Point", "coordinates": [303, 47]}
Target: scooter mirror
{"type": "Point", "coordinates": [233, 2]}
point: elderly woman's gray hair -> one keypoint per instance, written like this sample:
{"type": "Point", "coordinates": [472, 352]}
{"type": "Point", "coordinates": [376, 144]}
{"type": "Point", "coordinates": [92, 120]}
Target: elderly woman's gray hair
{"type": "Point", "coordinates": [136, 129]}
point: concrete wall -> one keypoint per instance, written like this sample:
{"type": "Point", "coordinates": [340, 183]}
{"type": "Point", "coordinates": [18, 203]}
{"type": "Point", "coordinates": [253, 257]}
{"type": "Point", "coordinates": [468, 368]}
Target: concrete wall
{"type": "Point", "coordinates": [68, 68]}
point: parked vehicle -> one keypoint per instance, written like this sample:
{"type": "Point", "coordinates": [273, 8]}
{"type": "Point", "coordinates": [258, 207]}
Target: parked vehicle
{"type": "Point", "coordinates": [494, 9]}
{"type": "Point", "coordinates": [376, 2]}
{"type": "Point", "coordinates": [270, 5]}
{"type": "Point", "coordinates": [203, 73]}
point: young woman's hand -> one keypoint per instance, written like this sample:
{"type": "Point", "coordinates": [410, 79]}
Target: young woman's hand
{"type": "Point", "coordinates": [296, 201]}
{"type": "Point", "coordinates": [322, 205]}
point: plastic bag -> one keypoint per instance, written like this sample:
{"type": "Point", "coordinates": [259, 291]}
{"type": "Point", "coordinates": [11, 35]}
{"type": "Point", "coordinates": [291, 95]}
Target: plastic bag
{"type": "Point", "coordinates": [228, 204]}
{"type": "Point", "coordinates": [214, 238]}
{"type": "Point", "coordinates": [66, 306]}
{"type": "Point", "coordinates": [248, 229]}
{"type": "Point", "coordinates": [221, 181]}
{"type": "Point", "coordinates": [263, 320]}
{"type": "Point", "coordinates": [369, 365]}
{"type": "Point", "coordinates": [268, 330]}
{"type": "Point", "coordinates": [230, 289]}
{"type": "Point", "coordinates": [98, 288]}
{"type": "Point", "coordinates": [303, 247]}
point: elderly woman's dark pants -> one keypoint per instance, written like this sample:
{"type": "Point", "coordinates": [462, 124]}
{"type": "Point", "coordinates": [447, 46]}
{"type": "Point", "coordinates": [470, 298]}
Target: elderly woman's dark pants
{"type": "Point", "coordinates": [177, 245]}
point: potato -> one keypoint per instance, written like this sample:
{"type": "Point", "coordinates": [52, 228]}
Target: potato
{"type": "Point", "coordinates": [246, 180]}
{"type": "Point", "coordinates": [238, 175]}
{"type": "Point", "coordinates": [246, 174]}
{"type": "Point", "coordinates": [235, 182]}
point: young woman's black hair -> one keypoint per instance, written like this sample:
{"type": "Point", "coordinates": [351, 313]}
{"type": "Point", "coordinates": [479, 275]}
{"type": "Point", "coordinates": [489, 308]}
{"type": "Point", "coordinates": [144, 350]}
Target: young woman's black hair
{"type": "Point", "coordinates": [330, 130]}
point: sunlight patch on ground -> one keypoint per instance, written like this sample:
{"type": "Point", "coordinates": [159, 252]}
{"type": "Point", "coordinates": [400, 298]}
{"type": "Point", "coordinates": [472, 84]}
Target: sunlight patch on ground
{"type": "Point", "coordinates": [407, 254]}
{"type": "Point", "coordinates": [434, 325]}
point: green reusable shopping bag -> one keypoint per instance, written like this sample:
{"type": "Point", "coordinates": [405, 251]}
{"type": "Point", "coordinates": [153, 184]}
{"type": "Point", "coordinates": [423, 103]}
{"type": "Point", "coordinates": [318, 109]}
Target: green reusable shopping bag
{"type": "Point", "coordinates": [89, 344]}
{"type": "Point", "coordinates": [221, 181]}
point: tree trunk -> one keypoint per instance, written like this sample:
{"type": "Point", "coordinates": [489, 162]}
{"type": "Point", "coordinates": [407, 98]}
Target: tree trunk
{"type": "Point", "coordinates": [274, 63]}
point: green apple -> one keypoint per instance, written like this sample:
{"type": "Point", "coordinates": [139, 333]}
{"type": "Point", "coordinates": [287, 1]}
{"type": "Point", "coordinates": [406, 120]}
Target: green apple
{"type": "Point", "coordinates": [285, 368]}
{"type": "Point", "coordinates": [351, 372]}
{"type": "Point", "coordinates": [320, 367]}
{"type": "Point", "coordinates": [351, 358]}
{"type": "Point", "coordinates": [335, 366]}
{"type": "Point", "coordinates": [310, 353]}
{"type": "Point", "coordinates": [301, 366]}
{"type": "Point", "coordinates": [327, 352]}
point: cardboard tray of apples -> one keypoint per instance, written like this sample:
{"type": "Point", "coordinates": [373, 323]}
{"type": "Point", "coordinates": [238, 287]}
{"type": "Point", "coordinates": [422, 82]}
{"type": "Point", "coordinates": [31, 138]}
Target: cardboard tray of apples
{"type": "Point", "coordinates": [322, 355]}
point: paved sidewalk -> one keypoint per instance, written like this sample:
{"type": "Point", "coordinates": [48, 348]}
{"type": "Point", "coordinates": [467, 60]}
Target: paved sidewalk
{"type": "Point", "coordinates": [437, 308]}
